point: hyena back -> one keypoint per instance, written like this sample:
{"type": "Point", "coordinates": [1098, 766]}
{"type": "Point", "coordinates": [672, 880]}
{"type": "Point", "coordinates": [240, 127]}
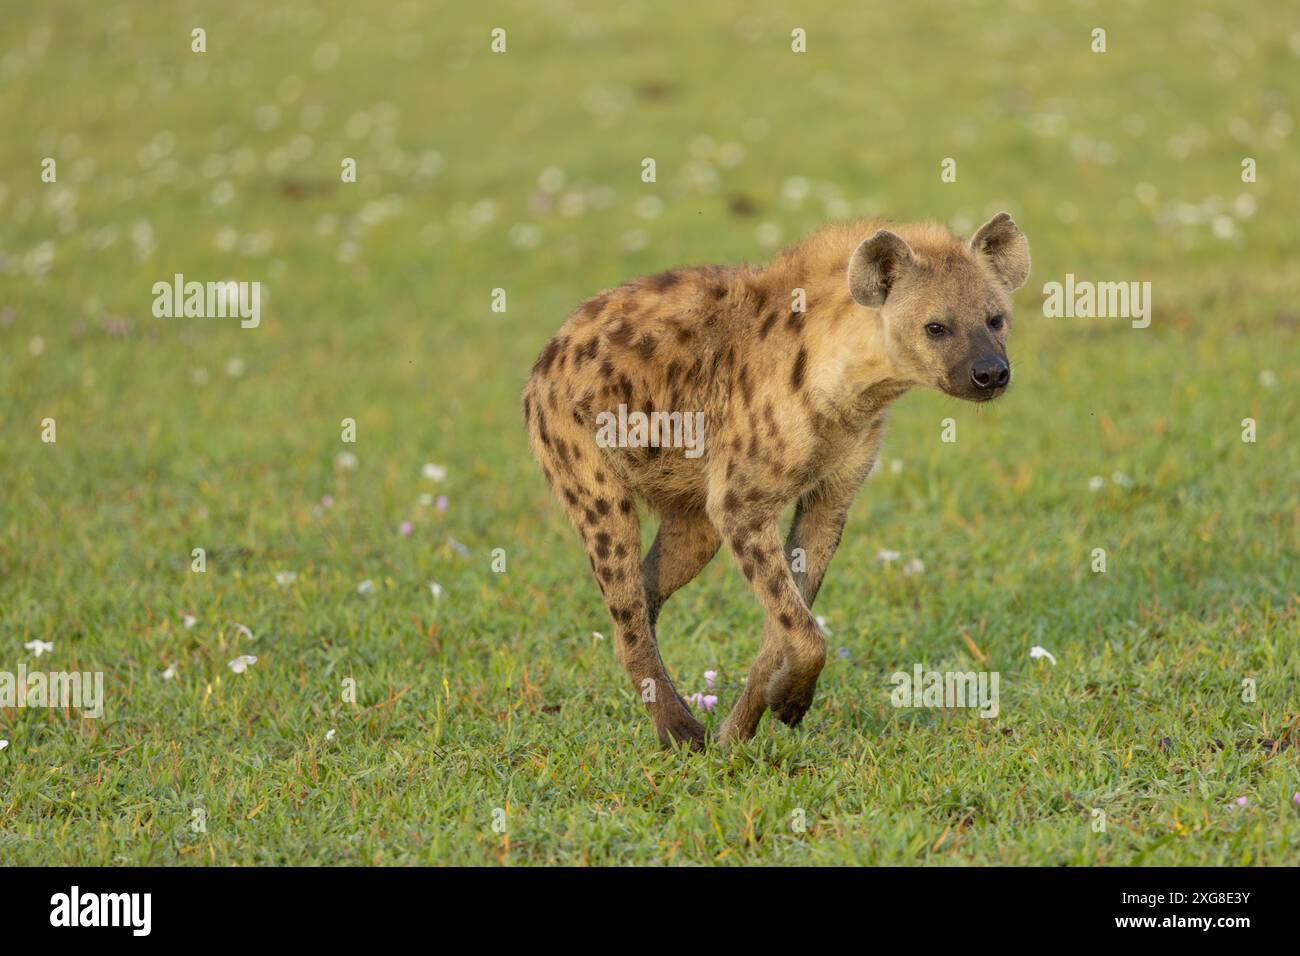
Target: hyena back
{"type": "Point", "coordinates": [793, 366]}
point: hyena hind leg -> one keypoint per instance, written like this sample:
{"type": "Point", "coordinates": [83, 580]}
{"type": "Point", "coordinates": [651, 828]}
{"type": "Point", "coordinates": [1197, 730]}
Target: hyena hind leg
{"type": "Point", "coordinates": [601, 507]}
{"type": "Point", "coordinates": [685, 543]}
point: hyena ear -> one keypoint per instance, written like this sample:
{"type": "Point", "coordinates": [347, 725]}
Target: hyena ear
{"type": "Point", "coordinates": [875, 265]}
{"type": "Point", "coordinates": [1001, 242]}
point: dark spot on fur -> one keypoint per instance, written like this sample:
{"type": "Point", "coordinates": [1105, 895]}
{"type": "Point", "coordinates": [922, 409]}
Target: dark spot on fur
{"type": "Point", "coordinates": [663, 281]}
{"type": "Point", "coordinates": [800, 367]}
{"type": "Point", "coordinates": [767, 324]}
{"type": "Point", "coordinates": [543, 364]}
{"type": "Point", "coordinates": [621, 333]}
{"type": "Point", "coordinates": [585, 353]}
{"type": "Point", "coordinates": [746, 391]}
{"type": "Point", "coordinates": [593, 307]}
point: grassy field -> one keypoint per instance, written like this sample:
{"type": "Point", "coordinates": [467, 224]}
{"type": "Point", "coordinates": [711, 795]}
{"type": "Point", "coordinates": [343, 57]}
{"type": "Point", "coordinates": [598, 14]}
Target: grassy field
{"type": "Point", "coordinates": [490, 724]}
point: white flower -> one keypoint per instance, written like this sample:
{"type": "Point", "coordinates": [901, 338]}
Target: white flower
{"type": "Point", "coordinates": [188, 621]}
{"type": "Point", "coordinates": [329, 734]}
{"type": "Point", "coordinates": [366, 586]}
{"type": "Point", "coordinates": [1121, 479]}
{"type": "Point", "coordinates": [914, 566]}
{"type": "Point", "coordinates": [458, 547]}
{"type": "Point", "coordinates": [170, 672]}
{"type": "Point", "coordinates": [597, 635]}
{"type": "Point", "coordinates": [345, 461]}
{"type": "Point", "coordinates": [425, 500]}
{"type": "Point", "coordinates": [39, 647]}
{"type": "Point", "coordinates": [886, 556]}
{"type": "Point", "coordinates": [821, 623]}
{"type": "Point", "coordinates": [435, 589]}
{"type": "Point", "coordinates": [1036, 651]}
{"type": "Point", "coordinates": [285, 577]}
{"type": "Point", "coordinates": [242, 663]}
{"type": "Point", "coordinates": [3, 744]}
{"type": "Point", "coordinates": [241, 629]}
{"type": "Point", "coordinates": [1096, 483]}
{"type": "Point", "coordinates": [434, 472]}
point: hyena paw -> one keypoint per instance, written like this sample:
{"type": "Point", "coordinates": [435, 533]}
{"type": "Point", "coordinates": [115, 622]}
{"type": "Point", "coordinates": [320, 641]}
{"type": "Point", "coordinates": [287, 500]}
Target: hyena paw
{"type": "Point", "coordinates": [790, 694]}
{"type": "Point", "coordinates": [677, 728]}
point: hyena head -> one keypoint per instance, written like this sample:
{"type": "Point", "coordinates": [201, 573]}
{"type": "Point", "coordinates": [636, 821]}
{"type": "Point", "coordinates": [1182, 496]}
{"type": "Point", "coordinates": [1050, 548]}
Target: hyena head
{"type": "Point", "coordinates": [945, 307]}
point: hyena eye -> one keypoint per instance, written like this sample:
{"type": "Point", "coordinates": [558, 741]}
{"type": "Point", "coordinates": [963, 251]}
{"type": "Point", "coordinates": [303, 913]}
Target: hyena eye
{"type": "Point", "coordinates": [936, 330]}
{"type": "Point", "coordinates": [995, 322]}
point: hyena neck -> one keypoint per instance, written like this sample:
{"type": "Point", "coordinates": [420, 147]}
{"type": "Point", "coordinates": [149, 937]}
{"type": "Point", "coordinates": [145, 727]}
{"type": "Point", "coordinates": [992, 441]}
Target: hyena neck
{"type": "Point", "coordinates": [852, 377]}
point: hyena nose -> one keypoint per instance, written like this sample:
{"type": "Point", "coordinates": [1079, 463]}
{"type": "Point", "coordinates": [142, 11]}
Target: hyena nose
{"type": "Point", "coordinates": [991, 372]}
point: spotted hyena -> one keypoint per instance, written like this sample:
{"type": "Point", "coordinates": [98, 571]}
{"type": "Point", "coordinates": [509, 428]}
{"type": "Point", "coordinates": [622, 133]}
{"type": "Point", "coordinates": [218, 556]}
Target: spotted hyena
{"type": "Point", "coordinates": [784, 374]}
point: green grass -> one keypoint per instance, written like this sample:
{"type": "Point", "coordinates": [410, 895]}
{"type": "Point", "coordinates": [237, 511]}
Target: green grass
{"type": "Point", "coordinates": [1118, 167]}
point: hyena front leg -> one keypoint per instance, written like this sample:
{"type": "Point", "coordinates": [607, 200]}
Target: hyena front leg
{"type": "Point", "coordinates": [820, 514]}
{"type": "Point", "coordinates": [784, 675]}
{"type": "Point", "coordinates": [814, 535]}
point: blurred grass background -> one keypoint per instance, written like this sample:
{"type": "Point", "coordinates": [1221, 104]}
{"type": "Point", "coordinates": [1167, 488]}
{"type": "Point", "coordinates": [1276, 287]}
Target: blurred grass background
{"type": "Point", "coordinates": [521, 171]}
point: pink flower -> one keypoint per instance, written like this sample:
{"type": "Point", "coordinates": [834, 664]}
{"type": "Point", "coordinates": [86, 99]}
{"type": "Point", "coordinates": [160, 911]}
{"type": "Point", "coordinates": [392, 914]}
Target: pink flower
{"type": "Point", "coordinates": [1242, 801]}
{"type": "Point", "coordinates": [709, 678]}
{"type": "Point", "coordinates": [441, 503]}
{"type": "Point", "coordinates": [406, 528]}
{"type": "Point", "coordinates": [709, 701]}
{"type": "Point", "coordinates": [1295, 797]}
{"type": "Point", "coordinates": [327, 501]}
{"type": "Point", "coordinates": [696, 699]}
